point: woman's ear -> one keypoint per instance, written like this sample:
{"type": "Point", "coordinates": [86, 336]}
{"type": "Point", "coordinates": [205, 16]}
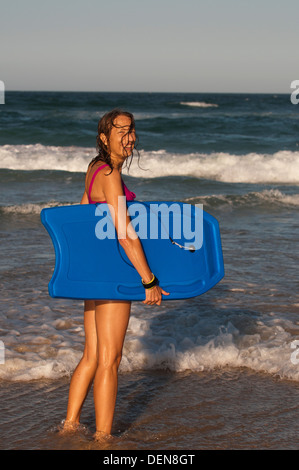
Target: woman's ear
{"type": "Point", "coordinates": [103, 139]}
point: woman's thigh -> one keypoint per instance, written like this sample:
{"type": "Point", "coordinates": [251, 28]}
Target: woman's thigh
{"type": "Point", "coordinates": [91, 340]}
{"type": "Point", "coordinates": [112, 318]}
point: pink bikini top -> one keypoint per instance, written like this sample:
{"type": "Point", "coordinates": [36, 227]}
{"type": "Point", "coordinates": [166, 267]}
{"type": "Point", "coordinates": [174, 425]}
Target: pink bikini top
{"type": "Point", "coordinates": [129, 194]}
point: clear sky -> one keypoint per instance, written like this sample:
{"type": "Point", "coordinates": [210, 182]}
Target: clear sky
{"type": "Point", "coordinates": [149, 45]}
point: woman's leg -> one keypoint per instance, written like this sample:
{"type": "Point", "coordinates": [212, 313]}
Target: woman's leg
{"type": "Point", "coordinates": [84, 373]}
{"type": "Point", "coordinates": [112, 319]}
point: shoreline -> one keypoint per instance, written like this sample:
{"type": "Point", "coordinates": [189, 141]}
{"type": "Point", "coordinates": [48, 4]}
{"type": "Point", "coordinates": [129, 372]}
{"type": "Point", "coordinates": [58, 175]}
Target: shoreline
{"type": "Point", "coordinates": [160, 410]}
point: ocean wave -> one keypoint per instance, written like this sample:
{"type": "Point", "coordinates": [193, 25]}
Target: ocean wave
{"type": "Point", "coordinates": [43, 157]}
{"type": "Point", "coordinates": [268, 347]}
{"type": "Point", "coordinates": [280, 167]}
{"type": "Point", "coordinates": [271, 197]}
{"type": "Point", "coordinates": [199, 104]}
{"type": "Point", "coordinates": [189, 342]}
{"type": "Point", "coordinates": [267, 197]}
{"type": "Point", "coordinates": [30, 208]}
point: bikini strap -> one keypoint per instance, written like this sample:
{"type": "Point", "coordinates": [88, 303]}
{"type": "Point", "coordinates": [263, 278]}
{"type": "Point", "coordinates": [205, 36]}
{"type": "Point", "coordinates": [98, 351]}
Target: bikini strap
{"type": "Point", "coordinates": [92, 180]}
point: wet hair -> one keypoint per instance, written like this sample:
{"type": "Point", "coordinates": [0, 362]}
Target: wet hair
{"type": "Point", "coordinates": [104, 127]}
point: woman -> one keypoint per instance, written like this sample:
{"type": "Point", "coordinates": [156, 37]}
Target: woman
{"type": "Point", "coordinates": [105, 322]}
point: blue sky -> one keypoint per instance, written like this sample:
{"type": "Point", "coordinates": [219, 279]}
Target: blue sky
{"type": "Point", "coordinates": [156, 45]}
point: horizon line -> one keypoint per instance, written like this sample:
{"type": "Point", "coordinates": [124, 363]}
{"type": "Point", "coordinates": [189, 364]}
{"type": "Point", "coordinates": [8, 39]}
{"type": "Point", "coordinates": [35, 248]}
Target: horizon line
{"type": "Point", "coordinates": [152, 92]}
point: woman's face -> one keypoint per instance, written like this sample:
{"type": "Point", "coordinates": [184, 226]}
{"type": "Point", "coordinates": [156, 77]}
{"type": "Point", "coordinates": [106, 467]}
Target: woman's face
{"type": "Point", "coordinates": [122, 138]}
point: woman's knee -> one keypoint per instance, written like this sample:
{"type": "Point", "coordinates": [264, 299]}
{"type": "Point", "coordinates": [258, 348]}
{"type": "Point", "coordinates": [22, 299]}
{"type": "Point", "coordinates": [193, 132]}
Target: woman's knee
{"type": "Point", "coordinates": [109, 360]}
{"type": "Point", "coordinates": [90, 356]}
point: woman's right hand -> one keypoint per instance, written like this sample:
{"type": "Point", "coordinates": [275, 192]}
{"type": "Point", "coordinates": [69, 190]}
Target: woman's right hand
{"type": "Point", "coordinates": [153, 296]}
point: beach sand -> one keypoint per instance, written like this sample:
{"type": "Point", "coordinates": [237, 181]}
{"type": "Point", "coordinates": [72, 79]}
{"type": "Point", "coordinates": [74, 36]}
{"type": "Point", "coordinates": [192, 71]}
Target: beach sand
{"type": "Point", "coordinates": [231, 409]}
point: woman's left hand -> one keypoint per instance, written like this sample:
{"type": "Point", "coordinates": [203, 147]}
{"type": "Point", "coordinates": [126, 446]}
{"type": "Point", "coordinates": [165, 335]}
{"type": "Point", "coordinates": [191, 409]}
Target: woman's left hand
{"type": "Point", "coordinates": [154, 296]}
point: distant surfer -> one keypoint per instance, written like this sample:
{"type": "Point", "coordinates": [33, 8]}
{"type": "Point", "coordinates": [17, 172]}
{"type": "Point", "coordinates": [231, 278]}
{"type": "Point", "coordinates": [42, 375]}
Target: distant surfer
{"type": "Point", "coordinates": [106, 321]}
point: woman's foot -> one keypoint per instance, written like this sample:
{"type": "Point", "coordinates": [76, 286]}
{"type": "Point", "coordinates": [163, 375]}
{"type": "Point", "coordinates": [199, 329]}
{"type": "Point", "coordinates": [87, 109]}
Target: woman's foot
{"type": "Point", "coordinates": [101, 436]}
{"type": "Point", "coordinates": [69, 427]}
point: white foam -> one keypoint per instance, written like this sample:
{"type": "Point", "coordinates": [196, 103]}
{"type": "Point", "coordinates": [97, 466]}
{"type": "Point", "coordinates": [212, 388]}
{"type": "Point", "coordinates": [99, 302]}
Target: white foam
{"type": "Point", "coordinates": [280, 167]}
{"type": "Point", "coordinates": [276, 196]}
{"type": "Point", "coordinates": [267, 349]}
{"type": "Point", "coordinates": [35, 367]}
{"type": "Point", "coordinates": [267, 196]}
{"type": "Point", "coordinates": [199, 104]}
{"type": "Point", "coordinates": [29, 208]}
{"type": "Point", "coordinates": [273, 197]}
{"type": "Point", "coordinates": [42, 157]}
{"type": "Point", "coordinates": [173, 341]}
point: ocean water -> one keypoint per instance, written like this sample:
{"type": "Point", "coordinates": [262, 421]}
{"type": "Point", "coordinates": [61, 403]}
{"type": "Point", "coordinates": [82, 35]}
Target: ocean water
{"type": "Point", "coordinates": [238, 155]}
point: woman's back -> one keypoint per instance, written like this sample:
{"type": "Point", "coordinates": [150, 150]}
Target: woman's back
{"type": "Point", "coordinates": [94, 191]}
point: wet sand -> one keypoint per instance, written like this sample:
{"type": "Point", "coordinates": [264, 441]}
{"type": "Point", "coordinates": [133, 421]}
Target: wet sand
{"type": "Point", "coordinates": [231, 409]}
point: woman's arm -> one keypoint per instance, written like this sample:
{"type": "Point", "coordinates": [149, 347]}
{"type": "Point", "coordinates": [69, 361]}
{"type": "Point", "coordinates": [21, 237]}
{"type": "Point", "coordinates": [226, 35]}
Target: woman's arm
{"type": "Point", "coordinates": [84, 199]}
{"type": "Point", "coordinates": [128, 239]}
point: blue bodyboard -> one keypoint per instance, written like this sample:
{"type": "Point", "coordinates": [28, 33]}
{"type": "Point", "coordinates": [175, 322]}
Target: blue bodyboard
{"type": "Point", "coordinates": [90, 262]}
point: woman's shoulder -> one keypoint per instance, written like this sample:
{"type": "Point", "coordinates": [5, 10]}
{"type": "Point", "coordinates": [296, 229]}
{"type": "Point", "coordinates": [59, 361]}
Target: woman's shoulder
{"type": "Point", "coordinates": [101, 173]}
{"type": "Point", "coordinates": [98, 167]}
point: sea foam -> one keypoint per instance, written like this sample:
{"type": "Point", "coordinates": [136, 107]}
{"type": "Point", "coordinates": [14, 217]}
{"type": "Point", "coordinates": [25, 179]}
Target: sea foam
{"type": "Point", "coordinates": [168, 341]}
{"type": "Point", "coordinates": [280, 167]}
{"type": "Point", "coordinates": [256, 199]}
{"type": "Point", "coordinates": [199, 104]}
{"type": "Point", "coordinates": [264, 198]}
